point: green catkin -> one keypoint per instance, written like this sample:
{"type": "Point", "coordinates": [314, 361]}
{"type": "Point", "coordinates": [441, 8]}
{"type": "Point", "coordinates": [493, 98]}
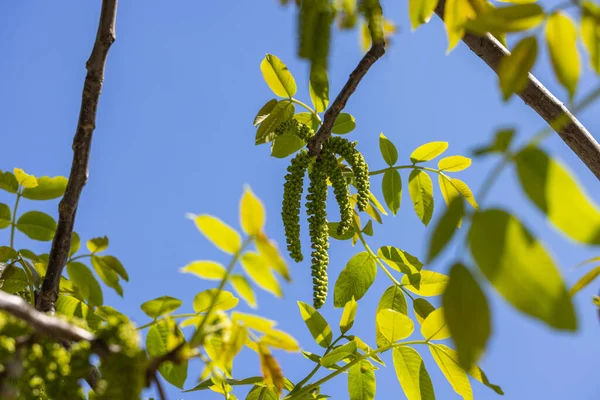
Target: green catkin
{"type": "Point", "coordinates": [373, 13]}
{"type": "Point", "coordinates": [359, 167]}
{"type": "Point", "coordinates": [294, 127]}
{"type": "Point", "coordinates": [340, 189]}
{"type": "Point", "coordinates": [319, 233]}
{"type": "Point", "coordinates": [292, 197]}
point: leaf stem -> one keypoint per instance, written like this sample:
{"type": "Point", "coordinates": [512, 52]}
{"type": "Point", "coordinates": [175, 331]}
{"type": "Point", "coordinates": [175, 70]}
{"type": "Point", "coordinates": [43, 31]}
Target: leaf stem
{"type": "Point", "coordinates": [316, 368]}
{"type": "Point", "coordinates": [309, 108]}
{"type": "Point", "coordinates": [79, 257]}
{"type": "Point", "coordinates": [411, 166]}
{"type": "Point", "coordinates": [13, 223]}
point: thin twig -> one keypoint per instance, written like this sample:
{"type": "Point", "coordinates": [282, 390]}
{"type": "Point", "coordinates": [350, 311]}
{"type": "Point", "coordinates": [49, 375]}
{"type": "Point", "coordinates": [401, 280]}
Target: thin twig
{"type": "Point", "coordinates": [82, 143]}
{"type": "Point", "coordinates": [159, 387]}
{"type": "Point", "coordinates": [540, 99]}
{"type": "Point", "coordinates": [376, 51]}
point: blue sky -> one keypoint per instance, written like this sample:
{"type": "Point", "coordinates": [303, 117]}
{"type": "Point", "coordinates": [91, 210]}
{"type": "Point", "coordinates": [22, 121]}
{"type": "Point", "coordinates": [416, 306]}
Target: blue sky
{"type": "Point", "coordinates": [174, 135]}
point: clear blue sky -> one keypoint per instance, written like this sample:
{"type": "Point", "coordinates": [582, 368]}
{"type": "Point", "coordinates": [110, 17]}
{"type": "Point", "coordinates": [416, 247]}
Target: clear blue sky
{"type": "Point", "coordinates": [174, 135]}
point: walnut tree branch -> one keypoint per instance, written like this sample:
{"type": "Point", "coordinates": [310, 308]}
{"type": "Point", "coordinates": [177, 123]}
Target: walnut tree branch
{"type": "Point", "coordinates": [82, 142]}
{"type": "Point", "coordinates": [540, 99]}
{"type": "Point", "coordinates": [376, 51]}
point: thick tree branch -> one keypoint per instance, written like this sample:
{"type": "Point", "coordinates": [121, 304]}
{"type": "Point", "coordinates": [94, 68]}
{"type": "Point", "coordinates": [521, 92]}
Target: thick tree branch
{"type": "Point", "coordinates": [82, 143]}
{"type": "Point", "coordinates": [376, 51]}
{"type": "Point", "coordinates": [536, 96]}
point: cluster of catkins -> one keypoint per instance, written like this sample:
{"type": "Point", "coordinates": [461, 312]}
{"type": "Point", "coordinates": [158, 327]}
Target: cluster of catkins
{"type": "Point", "coordinates": [324, 166]}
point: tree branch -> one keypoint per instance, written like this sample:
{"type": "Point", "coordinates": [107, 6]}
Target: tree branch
{"type": "Point", "coordinates": [376, 51]}
{"type": "Point", "coordinates": [540, 99]}
{"type": "Point", "coordinates": [46, 299]}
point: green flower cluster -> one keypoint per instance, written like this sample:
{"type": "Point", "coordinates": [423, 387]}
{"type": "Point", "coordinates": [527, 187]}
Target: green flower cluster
{"type": "Point", "coordinates": [294, 127]}
{"type": "Point", "coordinates": [340, 189]}
{"type": "Point", "coordinates": [292, 197]}
{"type": "Point", "coordinates": [319, 234]}
{"type": "Point", "coordinates": [355, 159]}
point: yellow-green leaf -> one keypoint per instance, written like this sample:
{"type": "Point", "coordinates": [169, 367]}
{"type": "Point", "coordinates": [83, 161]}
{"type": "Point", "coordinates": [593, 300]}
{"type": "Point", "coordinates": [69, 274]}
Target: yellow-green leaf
{"type": "Point", "coordinates": [391, 187]}
{"type": "Point", "coordinates": [318, 327]}
{"type": "Point", "coordinates": [428, 151]}
{"type": "Point", "coordinates": [420, 11]}
{"type": "Point", "coordinates": [513, 70]}
{"type": "Point", "coordinates": [252, 213]}
{"type": "Point", "coordinates": [585, 280]}
{"type": "Point", "coordinates": [203, 300]}
{"type": "Point", "coordinates": [420, 188]}
{"type": "Point", "coordinates": [454, 163]}
{"type": "Point", "coordinates": [160, 306]}
{"type": "Point", "coordinates": [243, 289]}
{"type": "Point", "coordinates": [452, 187]}
{"type": "Point", "coordinates": [37, 225]}
{"type": "Point", "coordinates": [24, 179]}
{"type": "Point", "coordinates": [520, 269]}
{"type": "Point", "coordinates": [278, 76]}
{"type": "Point", "coordinates": [264, 111]}
{"type": "Point", "coordinates": [75, 244]}
{"type": "Point", "coordinates": [455, 375]}
{"type": "Point", "coordinates": [590, 32]}
{"type": "Point", "coordinates": [434, 327]}
{"type": "Point", "coordinates": [8, 182]}
{"type": "Point", "coordinates": [269, 251]}
{"type": "Point", "coordinates": [392, 299]}
{"type": "Point", "coordinates": [161, 338]}
{"type": "Point", "coordinates": [355, 279]}
{"type": "Point", "coordinates": [347, 319]}
{"type": "Point", "coordinates": [281, 112]}
{"type": "Point", "coordinates": [47, 188]}
{"type": "Point", "coordinates": [220, 234]}
{"type": "Point", "coordinates": [87, 285]}
{"type": "Point", "coordinates": [467, 314]}
{"type": "Point", "coordinates": [98, 244]}
{"type": "Point", "coordinates": [422, 309]}
{"type": "Point", "coordinates": [412, 374]}
{"type": "Point", "coordinates": [513, 18]}
{"type": "Point", "coordinates": [561, 37]}
{"type": "Point", "coordinates": [432, 283]}
{"type": "Point", "coordinates": [318, 88]}
{"type": "Point", "coordinates": [344, 123]}
{"type": "Point", "coordinates": [456, 14]}
{"type": "Point", "coordinates": [388, 150]}
{"type": "Point", "coordinates": [257, 268]}
{"type": "Point", "coordinates": [205, 269]}
{"type": "Point", "coordinates": [5, 216]}
{"type": "Point", "coordinates": [361, 381]}
{"type": "Point", "coordinates": [252, 321]}
{"type": "Point", "coordinates": [278, 339]}
{"type": "Point", "coordinates": [445, 228]}
{"type": "Point", "coordinates": [394, 325]}
{"type": "Point", "coordinates": [338, 354]}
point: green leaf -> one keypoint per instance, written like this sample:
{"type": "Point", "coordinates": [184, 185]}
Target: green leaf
{"type": "Point", "coordinates": [5, 216]}
{"type": "Point", "coordinates": [203, 300]}
{"type": "Point", "coordinates": [86, 283]}
{"type": "Point", "coordinates": [47, 188]}
{"type": "Point", "coordinates": [269, 251]}
{"type": "Point", "coordinates": [392, 299]}
{"type": "Point", "coordinates": [286, 145]}
{"type": "Point", "coordinates": [264, 111]}
{"type": "Point", "coordinates": [514, 18]}
{"type": "Point", "coordinates": [257, 268]}
{"type": "Point", "coordinates": [401, 260]}
{"type": "Point", "coordinates": [309, 119]}
{"type": "Point", "coordinates": [12, 279]}
{"type": "Point", "coordinates": [283, 111]}
{"type": "Point", "coordinates": [161, 338]}
{"type": "Point", "coordinates": [590, 32]}
{"type": "Point", "coordinates": [434, 327]}
{"type": "Point", "coordinates": [455, 375]}
{"type": "Point", "coordinates": [24, 179]}
{"type": "Point", "coordinates": [72, 307]}
{"type": "Point", "coordinates": [75, 244]}
{"type": "Point", "coordinates": [262, 393]}
{"type": "Point", "coordinates": [319, 89]}
{"type": "Point", "coordinates": [318, 327]}
{"type": "Point", "coordinates": [37, 225]}
{"type": "Point", "coordinates": [355, 279]}
{"type": "Point", "coordinates": [243, 289]}
{"type": "Point", "coordinates": [412, 374]}
{"type": "Point", "coordinates": [467, 314]}
{"type": "Point", "coordinates": [432, 284]}
{"type": "Point", "coordinates": [348, 315]}
{"type": "Point", "coordinates": [513, 70]}
{"type": "Point", "coordinates": [561, 37]}
{"type": "Point", "coordinates": [420, 188]}
{"type": "Point", "coordinates": [108, 275]}
{"type": "Point", "coordinates": [8, 182]}
{"type": "Point", "coordinates": [344, 123]}
{"type": "Point", "coordinates": [205, 269]}
{"type": "Point", "coordinates": [456, 14]}
{"type": "Point", "coordinates": [502, 141]}
{"type": "Point", "coordinates": [7, 253]}
{"type": "Point", "coordinates": [97, 245]}
{"type": "Point", "coordinates": [224, 237]}
{"type": "Point", "coordinates": [550, 186]}
{"type": "Point", "coordinates": [512, 260]}
{"type": "Point", "coordinates": [391, 186]}
{"type": "Point", "coordinates": [277, 76]}
{"type": "Point", "coordinates": [452, 187]}
{"type": "Point", "coordinates": [394, 325]}
{"type": "Point", "coordinates": [255, 322]}
{"type": "Point", "coordinates": [454, 163]}
{"type": "Point", "coordinates": [428, 151]}
{"type": "Point", "coordinates": [252, 213]}
{"type": "Point", "coordinates": [388, 150]}
{"type": "Point", "coordinates": [585, 280]}
{"type": "Point", "coordinates": [368, 229]}
{"type": "Point", "coordinates": [420, 11]}
{"type": "Point", "coordinates": [361, 381]}
{"type": "Point", "coordinates": [422, 309]}
{"type": "Point", "coordinates": [160, 306]}
{"type": "Point", "coordinates": [333, 231]}
{"type": "Point", "coordinates": [445, 228]}
{"type": "Point", "coordinates": [114, 264]}
{"type": "Point", "coordinates": [338, 354]}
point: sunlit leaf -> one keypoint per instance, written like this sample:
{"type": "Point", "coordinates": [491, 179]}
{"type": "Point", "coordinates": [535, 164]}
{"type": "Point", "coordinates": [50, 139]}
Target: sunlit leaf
{"type": "Point", "coordinates": [412, 374]}
{"type": "Point", "coordinates": [37, 225]}
{"type": "Point", "coordinates": [585, 280]}
{"type": "Point", "coordinates": [454, 163]}
{"type": "Point", "coordinates": [420, 11]}
{"type": "Point", "coordinates": [401, 260]}
{"type": "Point", "coordinates": [428, 151]}
{"type": "Point", "coordinates": [203, 300]}
{"type": "Point", "coordinates": [432, 284]}
{"type": "Point", "coordinates": [513, 18]}
{"type": "Point", "coordinates": [86, 283]}
{"type": "Point", "coordinates": [205, 269]}
{"type": "Point", "coordinates": [347, 319]}
{"type": "Point", "coordinates": [445, 228]}
{"type": "Point", "coordinates": [278, 76]}
{"type": "Point", "coordinates": [253, 321]}
{"type": "Point", "coordinates": [269, 251]}
{"type": "Point", "coordinates": [281, 340]}
{"type": "Point", "coordinates": [456, 14]}
{"type": "Point", "coordinates": [318, 327]}
{"type": "Point", "coordinates": [361, 381]}
{"type": "Point", "coordinates": [344, 123]}
{"type": "Point", "coordinates": [243, 289]}
{"type": "Point", "coordinates": [391, 186]}
{"type": "Point", "coordinates": [160, 306]}
{"type": "Point", "coordinates": [258, 270]}
{"type": "Point", "coordinates": [338, 354]}
{"type": "Point", "coordinates": [355, 279]}
{"type": "Point", "coordinates": [161, 338]}
{"type": "Point", "coordinates": [318, 89]}
{"type": "Point", "coordinates": [420, 188]}
{"type": "Point", "coordinates": [218, 233]}
{"type": "Point", "coordinates": [513, 70]}
{"type": "Point", "coordinates": [388, 150]}
{"type": "Point", "coordinates": [281, 112]}
{"type": "Point", "coordinates": [590, 32]}
{"type": "Point", "coordinates": [422, 309]}
{"type": "Point", "coordinates": [24, 179]}
{"type": "Point", "coordinates": [561, 37]}
{"type": "Point", "coordinates": [392, 299]}
{"type": "Point", "coordinates": [455, 375]}
{"type": "Point", "coordinates": [108, 275]}
{"type": "Point", "coordinates": [264, 111]}
{"type": "Point", "coordinates": [452, 187]}
{"type": "Point", "coordinates": [5, 216]}
{"type": "Point", "coordinates": [286, 145]}
{"type": "Point", "coordinates": [12, 279]}
{"type": "Point", "coordinates": [252, 213]}
{"type": "Point", "coordinates": [47, 188]}
{"type": "Point", "coordinates": [97, 245]}
{"type": "Point", "coordinates": [8, 182]}
{"type": "Point", "coordinates": [75, 244]}
{"type": "Point", "coordinates": [434, 327]}
{"type": "Point", "coordinates": [394, 325]}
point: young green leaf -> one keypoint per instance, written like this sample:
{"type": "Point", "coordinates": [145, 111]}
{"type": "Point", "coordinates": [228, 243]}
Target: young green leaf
{"type": "Point", "coordinates": [434, 327]}
{"type": "Point", "coordinates": [13, 279]}
{"type": "Point", "coordinates": [318, 327]}
{"type": "Point", "coordinates": [467, 314]}
{"type": "Point", "coordinates": [432, 284]}
{"type": "Point", "coordinates": [388, 150]}
{"type": "Point", "coordinates": [281, 112]}
{"type": "Point", "coordinates": [108, 275]}
{"type": "Point", "coordinates": [422, 309]}
{"type": "Point", "coordinates": [72, 307]}
{"type": "Point", "coordinates": [203, 300]}
{"type": "Point", "coordinates": [333, 231]}
{"type": "Point", "coordinates": [75, 244]}
{"type": "Point", "coordinates": [420, 11]}
{"type": "Point", "coordinates": [355, 279]}
{"type": "Point", "coordinates": [24, 179]}
{"type": "Point", "coordinates": [394, 325]}
{"type": "Point", "coordinates": [348, 315]}
{"type": "Point", "coordinates": [412, 374]}
{"type": "Point", "coordinates": [309, 119]}
{"type": "Point", "coordinates": [37, 225]}
{"type": "Point", "coordinates": [47, 188]}
{"type": "Point", "coordinates": [264, 111]}
{"type": "Point", "coordinates": [513, 18]}
{"type": "Point", "coordinates": [8, 253]}
{"type": "Point", "coordinates": [452, 187]}
{"type": "Point", "coordinates": [270, 253]}
{"type": "Point", "coordinates": [258, 270]}
{"type": "Point", "coordinates": [561, 37]}
{"type": "Point", "coordinates": [585, 280]}
{"type": "Point", "coordinates": [420, 188]}
{"type": "Point", "coordinates": [86, 283]}
{"type": "Point", "coordinates": [286, 145]}
{"type": "Point", "coordinates": [219, 233]}
{"type": "Point", "coordinates": [97, 245]}
{"type": "Point", "coordinates": [445, 228]}
{"type": "Point", "coordinates": [114, 264]}
{"type": "Point", "coordinates": [338, 354]}
{"type": "Point", "coordinates": [8, 182]}
{"type": "Point", "coordinates": [455, 375]}
{"type": "Point", "coordinates": [278, 76]}
{"type": "Point", "coordinates": [243, 289]}
{"type": "Point", "coordinates": [368, 229]}
{"type": "Point", "coordinates": [252, 213]}
{"type": "Point", "coordinates": [319, 88]}
{"type": "Point", "coordinates": [553, 190]}
{"type": "Point", "coordinates": [456, 14]}
{"type": "Point", "coordinates": [513, 70]}
{"type": "Point", "coordinates": [361, 381]}
{"type": "Point", "coordinates": [255, 322]}
{"type": "Point", "coordinates": [454, 163]}
{"type": "Point", "coordinates": [401, 260]}
{"type": "Point", "coordinates": [160, 306]}
{"type": "Point", "coordinates": [428, 151]}
{"type": "Point", "coordinates": [161, 338]}
{"type": "Point", "coordinates": [511, 259]}
{"type": "Point", "coordinates": [344, 123]}
{"type": "Point", "coordinates": [392, 299]}
{"type": "Point", "coordinates": [391, 186]}
{"type": "Point", "coordinates": [205, 269]}
{"type": "Point", "coordinates": [5, 216]}
{"type": "Point", "coordinates": [590, 32]}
